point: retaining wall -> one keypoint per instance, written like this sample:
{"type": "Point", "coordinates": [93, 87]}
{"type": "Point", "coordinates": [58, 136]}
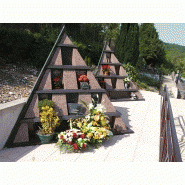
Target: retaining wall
{"type": "Point", "coordinates": [9, 113]}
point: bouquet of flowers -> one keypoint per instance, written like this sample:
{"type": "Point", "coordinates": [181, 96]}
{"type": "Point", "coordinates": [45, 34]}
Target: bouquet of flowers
{"type": "Point", "coordinates": [89, 131]}
{"type": "Point", "coordinates": [83, 78]}
{"type": "Point", "coordinates": [105, 68]}
{"type": "Point", "coordinates": [126, 80]}
{"type": "Point", "coordinates": [57, 81]}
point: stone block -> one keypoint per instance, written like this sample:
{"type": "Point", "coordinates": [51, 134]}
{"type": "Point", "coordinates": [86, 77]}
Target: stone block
{"type": "Point", "coordinates": [112, 69]}
{"type": "Point", "coordinates": [60, 104]}
{"type": "Point", "coordinates": [57, 57]}
{"type": "Point", "coordinates": [114, 59]}
{"type": "Point", "coordinates": [92, 81]}
{"type": "Point", "coordinates": [107, 103]}
{"type": "Point", "coordinates": [119, 125]}
{"type": "Point", "coordinates": [33, 110]}
{"type": "Point", "coordinates": [120, 84]}
{"type": "Point", "coordinates": [122, 72]}
{"type": "Point", "coordinates": [65, 40]}
{"type": "Point", "coordinates": [46, 81]}
{"type": "Point", "coordinates": [108, 83]}
{"type": "Point", "coordinates": [86, 98]}
{"type": "Point", "coordinates": [22, 134]}
{"type": "Point", "coordinates": [77, 60]}
{"type": "Point", "coordinates": [70, 80]}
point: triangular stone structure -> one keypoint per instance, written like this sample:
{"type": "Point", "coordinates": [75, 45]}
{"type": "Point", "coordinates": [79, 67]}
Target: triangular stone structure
{"type": "Point", "coordinates": [114, 81]}
{"type": "Point", "coordinates": [65, 61]}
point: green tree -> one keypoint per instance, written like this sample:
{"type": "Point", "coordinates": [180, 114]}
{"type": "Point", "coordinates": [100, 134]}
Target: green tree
{"type": "Point", "coordinates": [120, 42]}
{"type": "Point", "coordinates": [151, 48]}
{"type": "Point", "coordinates": [131, 47]}
{"type": "Point", "coordinates": [127, 43]}
{"type": "Point", "coordinates": [110, 32]}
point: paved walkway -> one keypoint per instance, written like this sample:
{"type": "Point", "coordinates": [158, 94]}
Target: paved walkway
{"type": "Point", "coordinates": [172, 89]}
{"type": "Point", "coordinates": [143, 117]}
{"type": "Point", "coordinates": [178, 108]}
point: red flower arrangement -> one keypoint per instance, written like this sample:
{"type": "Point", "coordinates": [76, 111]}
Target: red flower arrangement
{"type": "Point", "coordinates": [74, 138]}
{"type": "Point", "coordinates": [83, 78]}
{"type": "Point", "coordinates": [56, 81]}
{"type": "Point", "coordinates": [105, 68]}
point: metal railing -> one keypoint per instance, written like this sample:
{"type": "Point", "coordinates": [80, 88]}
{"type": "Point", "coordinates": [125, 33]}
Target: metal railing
{"type": "Point", "coordinates": [169, 147]}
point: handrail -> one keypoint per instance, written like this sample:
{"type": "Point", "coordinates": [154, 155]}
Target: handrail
{"type": "Point", "coordinates": [169, 148]}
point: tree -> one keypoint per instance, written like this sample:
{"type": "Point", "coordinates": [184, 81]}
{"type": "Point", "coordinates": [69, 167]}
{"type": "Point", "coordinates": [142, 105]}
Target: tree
{"type": "Point", "coordinates": [110, 32]}
{"type": "Point", "coordinates": [127, 43]}
{"type": "Point", "coordinates": [131, 48]}
{"type": "Point", "coordinates": [151, 48]}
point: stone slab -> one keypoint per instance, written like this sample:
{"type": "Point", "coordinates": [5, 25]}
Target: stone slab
{"type": "Point", "coordinates": [122, 72]}
{"type": "Point", "coordinates": [46, 81]}
{"type": "Point", "coordinates": [86, 98]}
{"type": "Point", "coordinates": [108, 83]}
{"type": "Point", "coordinates": [33, 110]}
{"type": "Point", "coordinates": [70, 80]}
{"type": "Point", "coordinates": [22, 134]}
{"type": "Point", "coordinates": [57, 57]}
{"type": "Point", "coordinates": [92, 81]}
{"type": "Point", "coordinates": [120, 84]}
{"type": "Point", "coordinates": [107, 103]}
{"type": "Point", "coordinates": [60, 104]}
{"type": "Point", "coordinates": [77, 60]}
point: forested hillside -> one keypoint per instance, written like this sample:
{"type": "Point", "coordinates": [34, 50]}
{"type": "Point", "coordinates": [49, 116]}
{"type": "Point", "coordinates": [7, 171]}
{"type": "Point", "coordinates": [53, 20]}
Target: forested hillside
{"type": "Point", "coordinates": [175, 56]}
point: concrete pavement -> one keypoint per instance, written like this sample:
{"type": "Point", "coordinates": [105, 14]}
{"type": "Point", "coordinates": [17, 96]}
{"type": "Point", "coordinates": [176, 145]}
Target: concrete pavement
{"type": "Point", "coordinates": [143, 117]}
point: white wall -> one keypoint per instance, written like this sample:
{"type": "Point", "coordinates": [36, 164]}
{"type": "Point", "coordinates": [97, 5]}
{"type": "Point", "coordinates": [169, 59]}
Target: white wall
{"type": "Point", "coordinates": [9, 113]}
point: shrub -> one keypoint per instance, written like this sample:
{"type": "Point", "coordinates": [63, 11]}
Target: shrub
{"type": "Point", "coordinates": [44, 103]}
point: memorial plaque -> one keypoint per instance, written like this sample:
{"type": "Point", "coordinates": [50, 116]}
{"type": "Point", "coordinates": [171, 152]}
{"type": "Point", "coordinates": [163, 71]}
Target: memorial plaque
{"type": "Point", "coordinates": [74, 109]}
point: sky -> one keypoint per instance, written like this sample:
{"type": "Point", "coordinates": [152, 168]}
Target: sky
{"type": "Point", "coordinates": [171, 32]}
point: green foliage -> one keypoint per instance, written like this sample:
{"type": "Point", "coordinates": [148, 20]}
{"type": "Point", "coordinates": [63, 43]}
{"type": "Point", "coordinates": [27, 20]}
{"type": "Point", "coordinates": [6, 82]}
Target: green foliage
{"type": "Point", "coordinates": [120, 43]}
{"type": "Point", "coordinates": [131, 71]}
{"type": "Point", "coordinates": [127, 43]}
{"type": "Point", "coordinates": [141, 81]}
{"type": "Point", "coordinates": [44, 103]}
{"type": "Point", "coordinates": [19, 46]}
{"type": "Point", "coordinates": [175, 56]}
{"type": "Point", "coordinates": [151, 48]}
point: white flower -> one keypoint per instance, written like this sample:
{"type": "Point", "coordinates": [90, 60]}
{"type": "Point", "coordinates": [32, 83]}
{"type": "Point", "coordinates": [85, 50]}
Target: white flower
{"type": "Point", "coordinates": [90, 106]}
{"type": "Point", "coordinates": [100, 108]}
{"type": "Point", "coordinates": [88, 117]}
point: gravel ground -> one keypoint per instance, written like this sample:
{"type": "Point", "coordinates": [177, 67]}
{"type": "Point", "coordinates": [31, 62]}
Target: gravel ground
{"type": "Point", "coordinates": [16, 81]}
